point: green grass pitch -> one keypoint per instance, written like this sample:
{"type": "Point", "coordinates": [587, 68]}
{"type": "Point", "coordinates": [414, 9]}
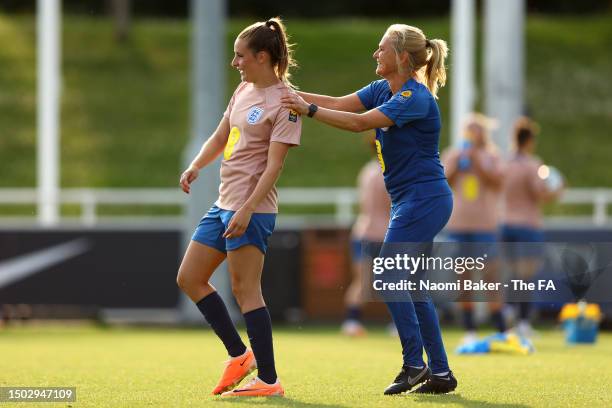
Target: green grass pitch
{"type": "Point", "coordinates": [153, 367]}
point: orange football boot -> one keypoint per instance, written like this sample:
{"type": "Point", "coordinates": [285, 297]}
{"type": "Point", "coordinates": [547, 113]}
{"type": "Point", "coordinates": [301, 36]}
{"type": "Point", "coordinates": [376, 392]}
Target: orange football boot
{"type": "Point", "coordinates": [236, 368]}
{"type": "Point", "coordinates": [257, 388]}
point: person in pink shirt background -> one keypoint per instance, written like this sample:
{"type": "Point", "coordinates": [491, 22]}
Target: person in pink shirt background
{"type": "Point", "coordinates": [366, 237]}
{"type": "Point", "coordinates": [475, 172]}
{"type": "Point", "coordinates": [254, 137]}
{"type": "Point", "coordinates": [524, 191]}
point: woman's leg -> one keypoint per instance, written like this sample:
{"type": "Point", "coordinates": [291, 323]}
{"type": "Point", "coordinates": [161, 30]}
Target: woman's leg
{"type": "Point", "coordinates": [245, 266]}
{"type": "Point", "coordinates": [197, 267]}
{"type": "Point", "coordinates": [402, 309]}
{"type": "Point", "coordinates": [429, 324]}
{"type": "Point", "coordinates": [353, 297]}
{"type": "Point", "coordinates": [525, 261]}
{"type": "Point", "coordinates": [495, 299]}
{"type": "Point", "coordinates": [424, 219]}
{"type": "Point", "coordinates": [432, 336]}
{"type": "Point", "coordinates": [407, 323]}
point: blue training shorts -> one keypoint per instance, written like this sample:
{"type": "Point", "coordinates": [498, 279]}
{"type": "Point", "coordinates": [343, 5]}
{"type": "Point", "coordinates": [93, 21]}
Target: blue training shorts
{"type": "Point", "coordinates": [475, 243]}
{"type": "Point", "coordinates": [212, 226]}
{"type": "Point", "coordinates": [364, 249]}
{"type": "Point", "coordinates": [524, 242]}
{"type": "Point", "coordinates": [512, 233]}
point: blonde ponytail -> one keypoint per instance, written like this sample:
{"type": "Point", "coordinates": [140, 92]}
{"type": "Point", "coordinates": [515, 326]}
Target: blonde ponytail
{"type": "Point", "coordinates": [435, 70]}
{"type": "Point", "coordinates": [425, 57]}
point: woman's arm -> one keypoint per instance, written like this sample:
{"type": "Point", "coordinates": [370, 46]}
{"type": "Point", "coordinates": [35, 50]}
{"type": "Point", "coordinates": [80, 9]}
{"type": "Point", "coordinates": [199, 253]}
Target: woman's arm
{"type": "Point", "coordinates": [548, 196]}
{"type": "Point", "coordinates": [543, 194]}
{"type": "Point", "coordinates": [354, 122]}
{"type": "Point", "coordinates": [213, 146]}
{"type": "Point", "coordinates": [450, 164]}
{"type": "Point", "coordinates": [493, 176]}
{"type": "Point", "coordinates": [242, 217]}
{"type": "Point", "coordinates": [347, 103]}
{"type": "Point", "coordinates": [211, 149]}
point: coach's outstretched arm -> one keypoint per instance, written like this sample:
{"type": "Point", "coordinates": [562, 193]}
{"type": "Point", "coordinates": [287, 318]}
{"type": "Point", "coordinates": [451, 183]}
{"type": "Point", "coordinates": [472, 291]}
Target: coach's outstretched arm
{"type": "Point", "coordinates": [347, 103]}
{"type": "Point", "coordinates": [354, 122]}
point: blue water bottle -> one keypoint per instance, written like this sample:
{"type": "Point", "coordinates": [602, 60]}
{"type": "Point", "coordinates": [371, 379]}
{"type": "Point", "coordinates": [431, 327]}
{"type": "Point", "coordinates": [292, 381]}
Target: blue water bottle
{"type": "Point", "coordinates": [464, 159]}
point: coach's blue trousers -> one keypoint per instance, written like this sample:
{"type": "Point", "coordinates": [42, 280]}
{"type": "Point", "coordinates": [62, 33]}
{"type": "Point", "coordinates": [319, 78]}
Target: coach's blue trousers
{"type": "Point", "coordinates": [417, 221]}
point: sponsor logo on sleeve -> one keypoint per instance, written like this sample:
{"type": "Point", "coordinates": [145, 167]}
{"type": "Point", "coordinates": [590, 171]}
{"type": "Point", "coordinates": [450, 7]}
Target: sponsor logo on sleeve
{"type": "Point", "coordinates": [405, 95]}
{"type": "Point", "coordinates": [293, 116]}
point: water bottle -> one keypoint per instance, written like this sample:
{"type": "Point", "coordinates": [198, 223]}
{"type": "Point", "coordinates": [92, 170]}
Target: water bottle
{"type": "Point", "coordinates": [464, 159]}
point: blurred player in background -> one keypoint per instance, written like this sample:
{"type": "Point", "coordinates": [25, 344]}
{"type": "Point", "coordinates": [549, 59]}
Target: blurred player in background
{"type": "Point", "coordinates": [254, 136]}
{"type": "Point", "coordinates": [526, 186]}
{"type": "Point", "coordinates": [475, 172]}
{"type": "Point", "coordinates": [366, 237]}
{"type": "Point", "coordinates": [402, 108]}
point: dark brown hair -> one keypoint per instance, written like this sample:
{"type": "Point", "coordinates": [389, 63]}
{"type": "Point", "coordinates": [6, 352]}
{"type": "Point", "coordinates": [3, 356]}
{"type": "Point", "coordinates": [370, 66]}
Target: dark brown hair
{"type": "Point", "coordinates": [524, 130]}
{"type": "Point", "coordinates": [271, 36]}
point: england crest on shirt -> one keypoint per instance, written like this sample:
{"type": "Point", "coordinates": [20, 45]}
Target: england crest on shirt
{"type": "Point", "coordinates": [254, 115]}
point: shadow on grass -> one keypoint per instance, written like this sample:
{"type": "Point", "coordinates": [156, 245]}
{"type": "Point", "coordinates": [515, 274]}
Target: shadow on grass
{"type": "Point", "coordinates": [457, 399]}
{"type": "Point", "coordinates": [276, 401]}
{"type": "Point", "coordinates": [460, 400]}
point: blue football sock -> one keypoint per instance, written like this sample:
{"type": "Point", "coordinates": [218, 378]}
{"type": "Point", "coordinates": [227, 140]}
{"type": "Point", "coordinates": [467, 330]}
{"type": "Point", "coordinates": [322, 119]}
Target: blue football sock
{"type": "Point", "coordinates": [524, 310]}
{"type": "Point", "coordinates": [217, 316]}
{"type": "Point", "coordinates": [468, 320]}
{"type": "Point", "coordinates": [259, 328]}
{"type": "Point", "coordinates": [353, 313]}
{"type": "Point", "coordinates": [498, 321]}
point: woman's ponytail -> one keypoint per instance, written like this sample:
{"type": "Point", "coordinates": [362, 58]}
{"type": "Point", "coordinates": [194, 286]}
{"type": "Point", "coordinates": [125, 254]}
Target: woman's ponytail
{"type": "Point", "coordinates": [271, 36]}
{"type": "Point", "coordinates": [435, 70]}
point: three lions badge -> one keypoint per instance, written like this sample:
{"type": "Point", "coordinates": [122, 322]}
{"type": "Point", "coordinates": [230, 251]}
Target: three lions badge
{"type": "Point", "coordinates": [254, 115]}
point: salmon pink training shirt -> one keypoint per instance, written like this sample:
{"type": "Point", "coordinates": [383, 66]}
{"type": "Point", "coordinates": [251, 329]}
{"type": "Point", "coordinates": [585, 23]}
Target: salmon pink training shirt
{"type": "Point", "coordinates": [522, 190]}
{"type": "Point", "coordinates": [256, 119]}
{"type": "Point", "coordinates": [374, 204]}
{"type": "Point", "coordinates": [475, 202]}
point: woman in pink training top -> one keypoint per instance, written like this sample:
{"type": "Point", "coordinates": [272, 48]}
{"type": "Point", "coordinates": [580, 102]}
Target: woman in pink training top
{"type": "Point", "coordinates": [524, 192]}
{"type": "Point", "coordinates": [475, 174]}
{"type": "Point", "coordinates": [254, 137]}
{"type": "Point", "coordinates": [367, 236]}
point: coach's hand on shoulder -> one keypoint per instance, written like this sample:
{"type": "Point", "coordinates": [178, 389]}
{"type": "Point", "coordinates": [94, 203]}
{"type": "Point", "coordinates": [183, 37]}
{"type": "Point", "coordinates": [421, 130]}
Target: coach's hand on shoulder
{"type": "Point", "coordinates": [188, 177]}
{"type": "Point", "coordinates": [238, 224]}
{"type": "Point", "coordinates": [294, 101]}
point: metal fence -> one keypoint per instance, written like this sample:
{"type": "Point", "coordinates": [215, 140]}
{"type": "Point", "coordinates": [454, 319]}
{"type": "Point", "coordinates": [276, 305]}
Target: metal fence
{"type": "Point", "coordinates": [342, 199]}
